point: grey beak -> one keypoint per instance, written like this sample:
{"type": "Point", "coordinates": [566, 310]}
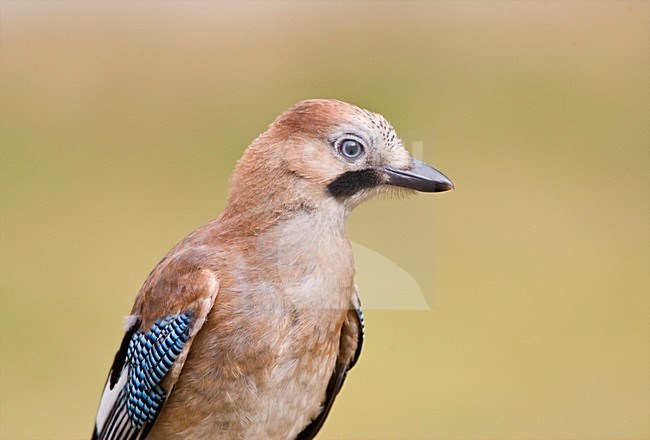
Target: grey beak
{"type": "Point", "coordinates": [420, 177]}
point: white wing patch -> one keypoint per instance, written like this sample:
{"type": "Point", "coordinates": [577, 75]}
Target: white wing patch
{"type": "Point", "coordinates": [109, 397]}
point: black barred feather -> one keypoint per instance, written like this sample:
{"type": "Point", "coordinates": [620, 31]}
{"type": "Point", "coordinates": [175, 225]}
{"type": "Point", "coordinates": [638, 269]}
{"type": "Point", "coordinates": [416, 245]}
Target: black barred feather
{"type": "Point", "coordinates": [142, 369]}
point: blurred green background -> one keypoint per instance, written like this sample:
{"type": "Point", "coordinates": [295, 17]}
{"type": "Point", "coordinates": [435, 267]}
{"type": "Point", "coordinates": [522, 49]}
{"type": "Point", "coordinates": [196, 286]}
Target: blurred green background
{"type": "Point", "coordinates": [121, 122]}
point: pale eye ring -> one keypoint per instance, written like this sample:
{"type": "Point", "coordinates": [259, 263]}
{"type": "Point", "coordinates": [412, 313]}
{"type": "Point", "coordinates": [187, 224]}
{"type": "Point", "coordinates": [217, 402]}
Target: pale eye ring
{"type": "Point", "coordinates": [350, 148]}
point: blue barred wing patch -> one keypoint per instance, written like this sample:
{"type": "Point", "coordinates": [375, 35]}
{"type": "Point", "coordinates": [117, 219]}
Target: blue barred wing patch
{"type": "Point", "coordinates": [149, 357]}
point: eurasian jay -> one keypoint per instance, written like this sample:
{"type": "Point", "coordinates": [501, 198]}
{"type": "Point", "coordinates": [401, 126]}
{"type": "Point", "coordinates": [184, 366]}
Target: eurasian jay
{"type": "Point", "coordinates": [247, 328]}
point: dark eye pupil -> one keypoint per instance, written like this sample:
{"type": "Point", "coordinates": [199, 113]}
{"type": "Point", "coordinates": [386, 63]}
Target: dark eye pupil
{"type": "Point", "coordinates": [351, 148]}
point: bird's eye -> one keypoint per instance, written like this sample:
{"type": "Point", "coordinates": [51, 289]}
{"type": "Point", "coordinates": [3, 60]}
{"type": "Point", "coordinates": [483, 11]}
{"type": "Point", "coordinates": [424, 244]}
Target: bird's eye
{"type": "Point", "coordinates": [350, 148]}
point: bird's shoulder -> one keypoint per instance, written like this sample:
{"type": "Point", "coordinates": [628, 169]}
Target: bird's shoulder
{"type": "Point", "coordinates": [185, 280]}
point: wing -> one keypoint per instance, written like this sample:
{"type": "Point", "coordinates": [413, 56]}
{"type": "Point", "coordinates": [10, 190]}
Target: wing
{"type": "Point", "coordinates": [170, 309]}
{"type": "Point", "coordinates": [352, 335]}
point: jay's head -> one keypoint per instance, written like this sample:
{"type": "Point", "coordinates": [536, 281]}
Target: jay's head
{"type": "Point", "coordinates": [328, 150]}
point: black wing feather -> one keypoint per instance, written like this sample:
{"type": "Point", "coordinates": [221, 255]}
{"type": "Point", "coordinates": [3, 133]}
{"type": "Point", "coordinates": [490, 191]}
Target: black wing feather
{"type": "Point", "coordinates": [335, 383]}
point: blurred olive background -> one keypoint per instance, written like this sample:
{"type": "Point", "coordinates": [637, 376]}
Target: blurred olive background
{"type": "Point", "coordinates": [121, 122]}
